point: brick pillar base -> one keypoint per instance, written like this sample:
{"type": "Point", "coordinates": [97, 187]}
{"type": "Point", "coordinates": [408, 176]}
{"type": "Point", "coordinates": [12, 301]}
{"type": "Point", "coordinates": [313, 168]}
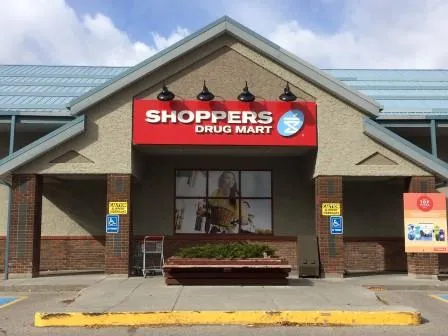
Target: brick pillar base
{"type": "Point", "coordinates": [25, 230]}
{"type": "Point", "coordinates": [328, 189]}
{"type": "Point", "coordinates": [422, 264]}
{"type": "Point", "coordinates": [118, 245]}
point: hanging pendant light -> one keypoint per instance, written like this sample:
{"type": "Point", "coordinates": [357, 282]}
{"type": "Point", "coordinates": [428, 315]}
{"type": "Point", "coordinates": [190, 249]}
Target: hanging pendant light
{"type": "Point", "coordinates": [165, 94]}
{"type": "Point", "coordinates": [246, 96]}
{"type": "Point", "coordinates": [205, 94]}
{"type": "Point", "coordinates": [287, 95]}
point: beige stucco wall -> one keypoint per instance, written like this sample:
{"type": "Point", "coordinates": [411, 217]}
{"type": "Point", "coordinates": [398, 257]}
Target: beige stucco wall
{"type": "Point", "coordinates": [106, 142]}
{"type": "Point", "coordinates": [341, 141]}
{"type": "Point", "coordinates": [69, 208]}
{"type": "Point", "coordinates": [74, 207]}
{"type": "Point", "coordinates": [293, 191]}
{"type": "Point", "coordinates": [21, 140]}
{"type": "Point", "coordinates": [3, 209]}
{"type": "Point", "coordinates": [225, 64]}
{"type": "Point", "coordinates": [373, 208]}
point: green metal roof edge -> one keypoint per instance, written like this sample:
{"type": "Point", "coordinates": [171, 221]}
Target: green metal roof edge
{"type": "Point", "coordinates": [42, 145]}
{"type": "Point", "coordinates": [35, 112]}
{"type": "Point", "coordinates": [405, 148]}
{"type": "Point", "coordinates": [213, 30]}
{"type": "Point", "coordinates": [59, 76]}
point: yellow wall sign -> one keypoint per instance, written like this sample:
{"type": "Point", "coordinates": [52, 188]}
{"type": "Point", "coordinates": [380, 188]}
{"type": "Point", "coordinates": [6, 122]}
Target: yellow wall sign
{"type": "Point", "coordinates": [331, 209]}
{"type": "Point", "coordinates": [118, 208]}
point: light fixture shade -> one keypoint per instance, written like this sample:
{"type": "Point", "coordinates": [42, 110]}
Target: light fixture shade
{"type": "Point", "coordinates": [165, 94]}
{"type": "Point", "coordinates": [287, 95]}
{"type": "Point", "coordinates": [205, 94]}
{"type": "Point", "coordinates": [246, 96]}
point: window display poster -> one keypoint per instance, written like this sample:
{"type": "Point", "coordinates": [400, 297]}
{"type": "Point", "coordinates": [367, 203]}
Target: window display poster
{"type": "Point", "coordinates": [223, 202]}
{"type": "Point", "coordinates": [425, 222]}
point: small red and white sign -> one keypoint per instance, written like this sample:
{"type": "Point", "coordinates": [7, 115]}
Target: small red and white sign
{"type": "Point", "coordinates": [267, 123]}
{"type": "Point", "coordinates": [425, 203]}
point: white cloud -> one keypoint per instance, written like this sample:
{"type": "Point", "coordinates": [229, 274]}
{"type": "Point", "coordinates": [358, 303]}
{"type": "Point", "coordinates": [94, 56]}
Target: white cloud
{"type": "Point", "coordinates": [164, 42]}
{"type": "Point", "coordinates": [372, 33]}
{"type": "Point", "coordinates": [50, 32]}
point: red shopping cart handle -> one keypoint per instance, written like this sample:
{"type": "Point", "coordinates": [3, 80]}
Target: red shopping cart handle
{"type": "Point", "coordinates": [154, 237]}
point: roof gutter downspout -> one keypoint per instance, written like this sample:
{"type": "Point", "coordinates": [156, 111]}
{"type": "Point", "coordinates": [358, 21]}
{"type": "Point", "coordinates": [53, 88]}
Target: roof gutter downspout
{"type": "Point", "coordinates": [8, 225]}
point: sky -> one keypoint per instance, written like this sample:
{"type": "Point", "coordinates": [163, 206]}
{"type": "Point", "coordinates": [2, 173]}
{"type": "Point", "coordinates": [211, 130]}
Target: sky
{"type": "Point", "coordinates": [326, 33]}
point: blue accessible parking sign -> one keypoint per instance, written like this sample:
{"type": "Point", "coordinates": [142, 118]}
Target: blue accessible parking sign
{"type": "Point", "coordinates": [112, 224]}
{"type": "Point", "coordinates": [336, 225]}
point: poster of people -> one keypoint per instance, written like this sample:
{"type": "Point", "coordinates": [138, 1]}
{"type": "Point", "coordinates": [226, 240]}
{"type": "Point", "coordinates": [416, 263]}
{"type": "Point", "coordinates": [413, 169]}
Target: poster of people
{"type": "Point", "coordinates": [425, 222]}
{"type": "Point", "coordinates": [223, 202]}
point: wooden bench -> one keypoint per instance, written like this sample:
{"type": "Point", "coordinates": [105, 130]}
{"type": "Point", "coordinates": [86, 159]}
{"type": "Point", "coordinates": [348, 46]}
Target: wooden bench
{"type": "Point", "coordinates": [198, 271]}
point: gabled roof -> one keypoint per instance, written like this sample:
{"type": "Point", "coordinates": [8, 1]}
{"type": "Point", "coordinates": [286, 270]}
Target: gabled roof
{"type": "Point", "coordinates": [42, 90]}
{"type": "Point", "coordinates": [59, 90]}
{"type": "Point", "coordinates": [222, 26]}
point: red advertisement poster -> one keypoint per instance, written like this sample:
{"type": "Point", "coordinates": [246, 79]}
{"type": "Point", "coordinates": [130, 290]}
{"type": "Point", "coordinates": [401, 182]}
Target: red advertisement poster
{"type": "Point", "coordinates": [425, 222]}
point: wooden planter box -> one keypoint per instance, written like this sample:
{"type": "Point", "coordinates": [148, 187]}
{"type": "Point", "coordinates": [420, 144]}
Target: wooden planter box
{"type": "Point", "coordinates": [199, 271]}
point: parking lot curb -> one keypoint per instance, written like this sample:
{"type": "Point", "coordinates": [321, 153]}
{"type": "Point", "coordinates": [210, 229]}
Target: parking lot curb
{"type": "Point", "coordinates": [179, 318]}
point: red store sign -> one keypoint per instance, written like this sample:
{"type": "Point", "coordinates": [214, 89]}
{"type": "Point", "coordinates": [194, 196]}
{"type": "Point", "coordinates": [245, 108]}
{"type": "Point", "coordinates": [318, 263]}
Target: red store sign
{"type": "Point", "coordinates": [267, 123]}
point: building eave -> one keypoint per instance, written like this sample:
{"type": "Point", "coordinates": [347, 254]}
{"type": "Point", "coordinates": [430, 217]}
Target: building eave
{"type": "Point", "coordinates": [405, 148]}
{"type": "Point", "coordinates": [42, 145]}
{"type": "Point", "coordinates": [243, 34]}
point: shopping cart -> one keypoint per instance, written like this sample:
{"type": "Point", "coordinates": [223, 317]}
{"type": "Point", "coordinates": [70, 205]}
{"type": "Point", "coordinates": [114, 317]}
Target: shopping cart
{"type": "Point", "coordinates": [152, 250]}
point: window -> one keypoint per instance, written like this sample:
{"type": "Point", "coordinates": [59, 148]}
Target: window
{"type": "Point", "coordinates": [223, 202]}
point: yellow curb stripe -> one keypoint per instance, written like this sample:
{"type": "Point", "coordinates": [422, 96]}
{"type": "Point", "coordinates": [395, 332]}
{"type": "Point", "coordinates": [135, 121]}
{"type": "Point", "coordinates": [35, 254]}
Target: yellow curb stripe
{"type": "Point", "coordinates": [355, 318]}
{"type": "Point", "coordinates": [13, 302]}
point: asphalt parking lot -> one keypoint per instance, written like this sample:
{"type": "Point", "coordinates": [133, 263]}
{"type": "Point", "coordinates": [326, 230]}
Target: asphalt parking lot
{"type": "Point", "coordinates": [18, 319]}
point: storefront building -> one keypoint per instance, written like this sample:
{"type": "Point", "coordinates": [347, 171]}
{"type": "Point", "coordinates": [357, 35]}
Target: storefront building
{"type": "Point", "coordinates": [268, 169]}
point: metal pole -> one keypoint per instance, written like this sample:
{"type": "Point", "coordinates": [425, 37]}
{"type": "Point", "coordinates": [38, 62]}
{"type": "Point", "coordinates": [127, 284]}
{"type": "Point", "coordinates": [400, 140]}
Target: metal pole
{"type": "Point", "coordinates": [434, 137]}
{"type": "Point", "coordinates": [12, 133]}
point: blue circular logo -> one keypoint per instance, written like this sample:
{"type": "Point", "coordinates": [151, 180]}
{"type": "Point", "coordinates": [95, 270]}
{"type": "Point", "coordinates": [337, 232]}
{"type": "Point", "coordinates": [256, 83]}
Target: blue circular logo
{"type": "Point", "coordinates": [290, 123]}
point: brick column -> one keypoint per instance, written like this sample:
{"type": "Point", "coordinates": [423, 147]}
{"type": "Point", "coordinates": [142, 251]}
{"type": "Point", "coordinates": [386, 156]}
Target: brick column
{"type": "Point", "coordinates": [25, 230]}
{"type": "Point", "coordinates": [328, 189]}
{"type": "Point", "coordinates": [118, 245]}
{"type": "Point", "coordinates": [423, 264]}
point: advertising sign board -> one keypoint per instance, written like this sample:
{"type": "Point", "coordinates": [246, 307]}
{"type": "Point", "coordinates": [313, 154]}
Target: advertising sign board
{"type": "Point", "coordinates": [264, 123]}
{"type": "Point", "coordinates": [425, 222]}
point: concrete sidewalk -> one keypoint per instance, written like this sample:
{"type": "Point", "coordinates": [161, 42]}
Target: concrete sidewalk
{"type": "Point", "coordinates": [151, 294]}
{"type": "Point", "coordinates": [396, 282]}
{"type": "Point", "coordinates": [51, 283]}
{"type": "Point", "coordinates": [99, 300]}
{"type": "Point", "coordinates": [77, 282]}
{"type": "Point", "coordinates": [139, 301]}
